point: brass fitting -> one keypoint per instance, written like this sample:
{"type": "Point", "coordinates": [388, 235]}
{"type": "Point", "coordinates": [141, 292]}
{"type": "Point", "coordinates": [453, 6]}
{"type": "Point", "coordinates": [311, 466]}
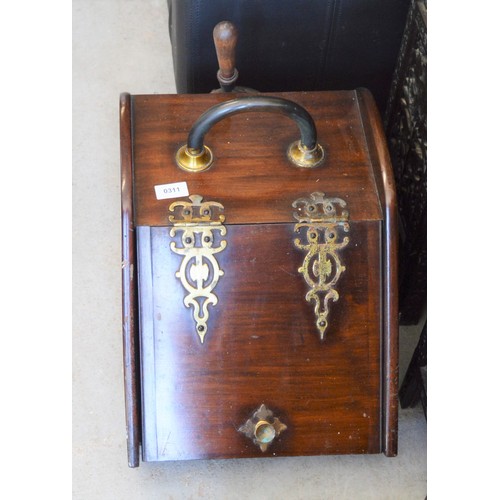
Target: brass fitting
{"type": "Point", "coordinates": [302, 157]}
{"type": "Point", "coordinates": [193, 160]}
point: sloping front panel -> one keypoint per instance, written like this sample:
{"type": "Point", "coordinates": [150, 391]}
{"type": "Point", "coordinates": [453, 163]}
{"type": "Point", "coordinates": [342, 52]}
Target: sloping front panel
{"type": "Point", "coordinates": [261, 347]}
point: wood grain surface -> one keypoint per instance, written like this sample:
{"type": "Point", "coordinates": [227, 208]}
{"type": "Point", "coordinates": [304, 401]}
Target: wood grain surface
{"type": "Point", "coordinates": [251, 175]}
{"type": "Point", "coordinates": [261, 347]}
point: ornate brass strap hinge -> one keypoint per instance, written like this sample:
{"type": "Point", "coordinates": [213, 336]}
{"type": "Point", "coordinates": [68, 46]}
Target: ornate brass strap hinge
{"type": "Point", "coordinates": [198, 223]}
{"type": "Point", "coordinates": [320, 226]}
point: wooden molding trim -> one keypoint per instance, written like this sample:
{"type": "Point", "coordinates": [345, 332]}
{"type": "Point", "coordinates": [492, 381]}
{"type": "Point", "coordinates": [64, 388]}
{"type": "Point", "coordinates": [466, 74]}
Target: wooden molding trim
{"type": "Point", "coordinates": [129, 286]}
{"type": "Point", "coordinates": [384, 178]}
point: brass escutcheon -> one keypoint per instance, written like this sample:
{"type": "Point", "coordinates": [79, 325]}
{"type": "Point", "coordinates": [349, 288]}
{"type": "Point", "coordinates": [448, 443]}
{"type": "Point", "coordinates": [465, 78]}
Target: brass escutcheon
{"type": "Point", "coordinates": [264, 432]}
{"type": "Point", "coordinates": [262, 427]}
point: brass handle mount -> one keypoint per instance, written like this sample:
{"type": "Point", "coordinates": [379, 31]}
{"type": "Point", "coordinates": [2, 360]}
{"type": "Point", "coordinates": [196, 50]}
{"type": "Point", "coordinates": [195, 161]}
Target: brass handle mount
{"type": "Point", "coordinates": [306, 152]}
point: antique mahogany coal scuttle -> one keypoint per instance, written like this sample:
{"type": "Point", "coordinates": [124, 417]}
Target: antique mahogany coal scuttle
{"type": "Point", "coordinates": [259, 276]}
{"type": "Point", "coordinates": [259, 282]}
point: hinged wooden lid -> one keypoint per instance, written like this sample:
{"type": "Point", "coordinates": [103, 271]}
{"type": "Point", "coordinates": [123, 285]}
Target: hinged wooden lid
{"type": "Point", "coordinates": [251, 174]}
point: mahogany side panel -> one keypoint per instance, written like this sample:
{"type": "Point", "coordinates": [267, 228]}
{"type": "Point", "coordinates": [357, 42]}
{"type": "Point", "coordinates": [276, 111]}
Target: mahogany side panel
{"type": "Point", "coordinates": [385, 182]}
{"type": "Point", "coordinates": [129, 286]}
{"type": "Point", "coordinates": [261, 346]}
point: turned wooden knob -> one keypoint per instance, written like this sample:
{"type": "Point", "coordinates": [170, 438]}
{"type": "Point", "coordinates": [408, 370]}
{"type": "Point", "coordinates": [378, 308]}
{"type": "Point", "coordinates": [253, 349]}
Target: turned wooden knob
{"type": "Point", "coordinates": [225, 38]}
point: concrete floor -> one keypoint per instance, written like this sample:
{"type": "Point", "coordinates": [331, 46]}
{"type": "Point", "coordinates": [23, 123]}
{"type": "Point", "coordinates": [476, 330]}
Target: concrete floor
{"type": "Point", "coordinates": [123, 45]}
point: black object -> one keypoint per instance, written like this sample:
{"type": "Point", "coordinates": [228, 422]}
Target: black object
{"type": "Point", "coordinates": [406, 130]}
{"type": "Point", "coordinates": [292, 45]}
{"type": "Point", "coordinates": [414, 386]}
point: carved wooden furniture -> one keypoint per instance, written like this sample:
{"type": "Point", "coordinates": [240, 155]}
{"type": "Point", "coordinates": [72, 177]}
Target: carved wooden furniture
{"type": "Point", "coordinates": [414, 386]}
{"type": "Point", "coordinates": [406, 130]}
{"type": "Point", "coordinates": [259, 276]}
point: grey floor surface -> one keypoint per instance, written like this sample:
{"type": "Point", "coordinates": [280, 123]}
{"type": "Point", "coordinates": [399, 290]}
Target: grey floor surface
{"type": "Point", "coordinates": [123, 45]}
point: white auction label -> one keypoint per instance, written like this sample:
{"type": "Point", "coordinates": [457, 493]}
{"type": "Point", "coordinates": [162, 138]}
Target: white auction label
{"type": "Point", "coordinates": [173, 190]}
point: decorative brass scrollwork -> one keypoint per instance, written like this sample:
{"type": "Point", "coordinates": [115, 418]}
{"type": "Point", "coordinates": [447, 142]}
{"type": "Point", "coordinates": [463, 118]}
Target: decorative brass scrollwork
{"type": "Point", "coordinates": [320, 220]}
{"type": "Point", "coordinates": [199, 273]}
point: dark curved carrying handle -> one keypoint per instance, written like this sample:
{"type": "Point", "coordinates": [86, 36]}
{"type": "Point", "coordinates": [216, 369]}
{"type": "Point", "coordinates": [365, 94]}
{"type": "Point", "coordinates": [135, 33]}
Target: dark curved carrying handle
{"type": "Point", "coordinates": [305, 153]}
{"type": "Point", "coordinates": [254, 103]}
